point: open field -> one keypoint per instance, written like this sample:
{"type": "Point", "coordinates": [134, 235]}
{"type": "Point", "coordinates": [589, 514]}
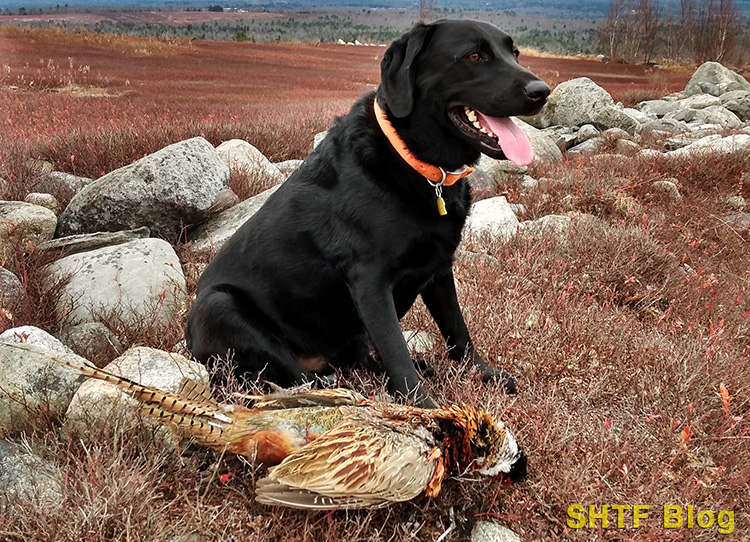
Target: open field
{"type": "Point", "coordinates": [56, 82]}
{"type": "Point", "coordinates": [630, 337]}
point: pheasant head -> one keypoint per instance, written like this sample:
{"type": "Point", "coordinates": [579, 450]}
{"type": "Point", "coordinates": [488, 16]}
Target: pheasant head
{"type": "Point", "coordinates": [479, 441]}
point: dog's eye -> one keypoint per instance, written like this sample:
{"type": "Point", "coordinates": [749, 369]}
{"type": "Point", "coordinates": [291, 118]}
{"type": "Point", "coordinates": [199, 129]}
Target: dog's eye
{"type": "Point", "coordinates": [476, 57]}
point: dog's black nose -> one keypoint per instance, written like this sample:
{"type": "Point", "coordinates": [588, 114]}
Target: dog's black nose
{"type": "Point", "coordinates": [537, 90]}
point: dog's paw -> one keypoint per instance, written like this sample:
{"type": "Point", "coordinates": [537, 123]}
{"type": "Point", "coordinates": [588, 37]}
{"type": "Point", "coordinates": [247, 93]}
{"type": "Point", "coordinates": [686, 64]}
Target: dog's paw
{"type": "Point", "coordinates": [493, 374]}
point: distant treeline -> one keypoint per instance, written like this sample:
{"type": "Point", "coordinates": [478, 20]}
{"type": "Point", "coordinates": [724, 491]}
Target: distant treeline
{"type": "Point", "coordinates": [328, 28]}
{"type": "Point", "coordinates": [550, 34]}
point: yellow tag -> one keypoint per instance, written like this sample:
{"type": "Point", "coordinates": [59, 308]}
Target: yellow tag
{"type": "Point", "coordinates": [441, 206]}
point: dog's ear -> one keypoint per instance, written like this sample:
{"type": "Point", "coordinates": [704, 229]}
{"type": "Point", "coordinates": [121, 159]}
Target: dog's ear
{"type": "Point", "coordinates": [398, 69]}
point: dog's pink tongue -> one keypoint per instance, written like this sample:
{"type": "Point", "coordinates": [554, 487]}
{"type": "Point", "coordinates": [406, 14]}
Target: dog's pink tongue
{"type": "Point", "coordinates": [512, 140]}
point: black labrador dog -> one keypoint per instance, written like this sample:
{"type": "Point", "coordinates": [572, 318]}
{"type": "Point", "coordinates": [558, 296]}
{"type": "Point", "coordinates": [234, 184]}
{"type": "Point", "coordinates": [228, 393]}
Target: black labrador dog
{"type": "Point", "coordinates": [340, 252]}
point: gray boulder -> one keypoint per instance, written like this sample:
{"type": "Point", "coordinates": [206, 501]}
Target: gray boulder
{"type": "Point", "coordinates": [686, 138]}
{"type": "Point", "coordinates": [613, 134]}
{"type": "Point", "coordinates": [91, 241]}
{"type": "Point", "coordinates": [713, 78]}
{"type": "Point", "coordinates": [139, 283]}
{"type": "Point", "coordinates": [212, 235]}
{"type": "Point", "coordinates": [527, 184]}
{"type": "Point", "coordinates": [658, 108]}
{"type": "Point", "coordinates": [588, 147]}
{"type": "Point", "coordinates": [225, 200]}
{"type": "Point", "coordinates": [92, 340]}
{"type": "Point", "coordinates": [418, 342]}
{"type": "Point", "coordinates": [617, 118]}
{"type": "Point", "coordinates": [500, 170]}
{"type": "Point", "coordinates": [11, 292]}
{"type": "Point", "coordinates": [23, 224]}
{"type": "Point", "coordinates": [715, 144]}
{"type": "Point", "coordinates": [736, 203]}
{"type": "Point", "coordinates": [318, 138]}
{"type": "Point", "coordinates": [664, 125]}
{"type": "Point", "coordinates": [669, 189]}
{"type": "Point", "coordinates": [44, 200]}
{"type": "Point", "coordinates": [698, 101]}
{"type": "Point", "coordinates": [493, 217]}
{"type": "Point", "coordinates": [581, 101]}
{"type": "Point", "coordinates": [62, 185]}
{"type": "Point", "coordinates": [241, 155]}
{"type": "Point", "coordinates": [627, 147]}
{"type": "Point", "coordinates": [37, 167]}
{"type": "Point", "coordinates": [164, 191]}
{"type": "Point", "coordinates": [287, 167]}
{"type": "Point", "coordinates": [637, 115]}
{"type": "Point", "coordinates": [650, 154]}
{"type": "Point", "coordinates": [482, 184]}
{"type": "Point", "coordinates": [714, 114]}
{"type": "Point", "coordinates": [30, 382]}
{"type": "Point", "coordinates": [98, 404]}
{"type": "Point", "coordinates": [545, 148]}
{"type": "Point", "coordinates": [550, 225]}
{"type": "Point", "coordinates": [586, 132]}
{"type": "Point", "coordinates": [739, 221]}
{"type": "Point", "coordinates": [26, 478]}
{"type": "Point", "coordinates": [488, 531]}
{"type": "Point", "coordinates": [738, 102]}
{"type": "Point", "coordinates": [563, 136]}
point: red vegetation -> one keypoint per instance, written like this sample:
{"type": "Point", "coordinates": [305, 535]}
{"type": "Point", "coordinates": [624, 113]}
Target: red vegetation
{"type": "Point", "coordinates": [56, 81]}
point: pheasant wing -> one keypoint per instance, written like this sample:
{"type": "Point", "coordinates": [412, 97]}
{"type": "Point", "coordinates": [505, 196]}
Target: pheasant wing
{"type": "Point", "coordinates": [360, 463]}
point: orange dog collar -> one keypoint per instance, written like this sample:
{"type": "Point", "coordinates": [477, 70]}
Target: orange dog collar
{"type": "Point", "coordinates": [433, 173]}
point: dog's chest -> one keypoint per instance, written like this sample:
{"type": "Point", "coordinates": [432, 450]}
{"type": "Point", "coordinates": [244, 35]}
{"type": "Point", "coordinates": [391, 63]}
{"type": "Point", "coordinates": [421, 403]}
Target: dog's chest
{"type": "Point", "coordinates": [425, 252]}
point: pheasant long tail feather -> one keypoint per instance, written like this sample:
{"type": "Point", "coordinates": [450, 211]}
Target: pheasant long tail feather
{"type": "Point", "coordinates": [198, 414]}
{"type": "Point", "coordinates": [191, 390]}
{"type": "Point", "coordinates": [205, 429]}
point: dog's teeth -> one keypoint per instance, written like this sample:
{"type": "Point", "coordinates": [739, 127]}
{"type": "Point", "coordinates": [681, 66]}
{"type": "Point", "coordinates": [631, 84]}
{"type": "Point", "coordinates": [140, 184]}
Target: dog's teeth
{"type": "Point", "coordinates": [471, 115]}
{"type": "Point", "coordinates": [477, 125]}
{"type": "Point", "coordinates": [482, 129]}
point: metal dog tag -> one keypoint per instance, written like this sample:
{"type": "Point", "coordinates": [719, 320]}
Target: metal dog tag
{"type": "Point", "coordinates": [439, 193]}
{"type": "Point", "coordinates": [441, 206]}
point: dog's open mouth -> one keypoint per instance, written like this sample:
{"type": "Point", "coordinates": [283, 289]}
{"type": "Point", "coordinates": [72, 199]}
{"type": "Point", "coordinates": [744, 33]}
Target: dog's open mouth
{"type": "Point", "coordinates": [497, 137]}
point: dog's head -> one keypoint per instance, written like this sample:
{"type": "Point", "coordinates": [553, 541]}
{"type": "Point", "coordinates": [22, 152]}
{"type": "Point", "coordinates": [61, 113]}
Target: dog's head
{"type": "Point", "coordinates": [463, 78]}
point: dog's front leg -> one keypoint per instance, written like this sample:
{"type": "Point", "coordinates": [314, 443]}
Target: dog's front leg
{"type": "Point", "coordinates": [440, 298]}
{"type": "Point", "coordinates": [378, 313]}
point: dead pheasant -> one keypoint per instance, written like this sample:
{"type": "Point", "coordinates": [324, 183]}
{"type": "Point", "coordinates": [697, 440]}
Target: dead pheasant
{"type": "Point", "coordinates": [333, 448]}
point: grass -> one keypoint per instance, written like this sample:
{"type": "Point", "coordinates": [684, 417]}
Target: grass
{"type": "Point", "coordinates": [630, 337]}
